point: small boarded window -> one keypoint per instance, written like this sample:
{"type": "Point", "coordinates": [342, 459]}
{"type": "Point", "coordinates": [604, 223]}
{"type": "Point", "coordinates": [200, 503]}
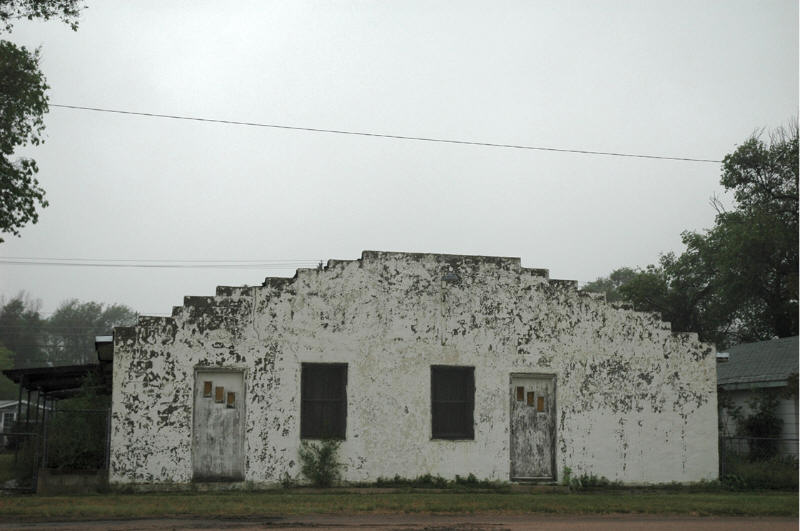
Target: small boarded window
{"type": "Point", "coordinates": [323, 405]}
{"type": "Point", "coordinates": [530, 398]}
{"type": "Point", "coordinates": [231, 402]}
{"type": "Point", "coordinates": [207, 388]}
{"type": "Point", "coordinates": [452, 402]}
{"type": "Point", "coordinates": [520, 394]}
{"type": "Point", "coordinates": [540, 403]}
{"type": "Point", "coordinates": [219, 394]}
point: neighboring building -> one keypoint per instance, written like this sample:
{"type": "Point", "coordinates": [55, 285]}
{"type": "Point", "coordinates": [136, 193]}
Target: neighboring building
{"type": "Point", "coordinates": [8, 414]}
{"type": "Point", "coordinates": [9, 408]}
{"type": "Point", "coordinates": [421, 363]}
{"type": "Point", "coordinates": [755, 367]}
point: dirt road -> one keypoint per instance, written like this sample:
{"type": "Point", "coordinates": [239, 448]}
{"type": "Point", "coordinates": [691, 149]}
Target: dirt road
{"type": "Point", "coordinates": [419, 522]}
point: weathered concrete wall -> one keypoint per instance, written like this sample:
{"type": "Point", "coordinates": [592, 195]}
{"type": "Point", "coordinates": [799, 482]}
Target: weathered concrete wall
{"type": "Point", "coordinates": [634, 401]}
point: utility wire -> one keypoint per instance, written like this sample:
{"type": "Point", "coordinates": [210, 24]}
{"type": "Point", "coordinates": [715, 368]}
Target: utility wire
{"type": "Point", "coordinates": [109, 263]}
{"type": "Point", "coordinates": [173, 263]}
{"type": "Point", "coordinates": [383, 135]}
{"type": "Point", "coordinates": [259, 261]}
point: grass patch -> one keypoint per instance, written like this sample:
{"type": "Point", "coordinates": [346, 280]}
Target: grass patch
{"type": "Point", "coordinates": [18, 468]}
{"type": "Point", "coordinates": [775, 473]}
{"type": "Point", "coordinates": [243, 504]}
{"type": "Point", "coordinates": [6, 467]}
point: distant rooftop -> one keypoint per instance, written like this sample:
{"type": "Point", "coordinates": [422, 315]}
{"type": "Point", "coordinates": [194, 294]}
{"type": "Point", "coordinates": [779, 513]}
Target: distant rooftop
{"type": "Point", "coordinates": [761, 364]}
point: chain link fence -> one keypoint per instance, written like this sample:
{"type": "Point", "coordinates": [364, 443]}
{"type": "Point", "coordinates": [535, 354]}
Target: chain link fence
{"type": "Point", "coordinates": [76, 440]}
{"type": "Point", "coordinates": [62, 441]}
{"type": "Point", "coordinates": [20, 455]}
{"type": "Point", "coordinates": [759, 462]}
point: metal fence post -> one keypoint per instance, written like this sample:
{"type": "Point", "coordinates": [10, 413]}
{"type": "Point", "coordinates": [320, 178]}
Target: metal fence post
{"type": "Point", "coordinates": [35, 463]}
{"type": "Point", "coordinates": [44, 435]}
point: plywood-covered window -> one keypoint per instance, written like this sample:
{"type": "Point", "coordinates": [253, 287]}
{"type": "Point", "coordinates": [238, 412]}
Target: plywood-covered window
{"type": "Point", "coordinates": [452, 402]}
{"type": "Point", "coordinates": [323, 405]}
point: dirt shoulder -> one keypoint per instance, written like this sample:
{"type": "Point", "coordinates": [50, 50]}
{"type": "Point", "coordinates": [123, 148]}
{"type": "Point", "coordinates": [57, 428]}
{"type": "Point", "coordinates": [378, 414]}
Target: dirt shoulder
{"type": "Point", "coordinates": [286, 505]}
{"type": "Point", "coordinates": [397, 522]}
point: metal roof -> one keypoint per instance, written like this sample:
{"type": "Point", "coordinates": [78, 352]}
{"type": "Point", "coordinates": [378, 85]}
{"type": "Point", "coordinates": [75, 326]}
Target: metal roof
{"type": "Point", "coordinates": [51, 379]}
{"type": "Point", "coordinates": [761, 364]}
{"type": "Point", "coordinates": [63, 381]}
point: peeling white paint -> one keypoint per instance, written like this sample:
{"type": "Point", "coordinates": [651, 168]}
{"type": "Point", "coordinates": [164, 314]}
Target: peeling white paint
{"type": "Point", "coordinates": [634, 402]}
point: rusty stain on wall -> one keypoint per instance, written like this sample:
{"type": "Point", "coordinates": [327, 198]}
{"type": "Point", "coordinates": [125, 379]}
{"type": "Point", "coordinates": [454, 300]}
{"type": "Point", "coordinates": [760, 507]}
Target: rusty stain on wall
{"type": "Point", "coordinates": [634, 401]}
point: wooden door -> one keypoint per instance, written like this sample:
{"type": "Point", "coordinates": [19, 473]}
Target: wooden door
{"type": "Point", "coordinates": [533, 427]}
{"type": "Point", "coordinates": [218, 430]}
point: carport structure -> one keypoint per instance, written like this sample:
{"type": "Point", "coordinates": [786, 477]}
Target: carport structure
{"type": "Point", "coordinates": [45, 386]}
{"type": "Point", "coordinates": [48, 384]}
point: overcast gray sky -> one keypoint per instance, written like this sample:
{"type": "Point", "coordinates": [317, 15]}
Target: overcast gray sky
{"type": "Point", "coordinates": [675, 78]}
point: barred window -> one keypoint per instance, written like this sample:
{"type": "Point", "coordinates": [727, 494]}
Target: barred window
{"type": "Point", "coordinates": [452, 402]}
{"type": "Point", "coordinates": [323, 404]}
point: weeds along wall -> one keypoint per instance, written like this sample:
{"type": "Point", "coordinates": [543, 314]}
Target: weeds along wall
{"type": "Point", "coordinates": [634, 402]}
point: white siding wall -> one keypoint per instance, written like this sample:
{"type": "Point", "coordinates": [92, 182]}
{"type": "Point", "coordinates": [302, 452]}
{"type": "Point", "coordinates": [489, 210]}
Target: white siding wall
{"type": "Point", "coordinates": [786, 411]}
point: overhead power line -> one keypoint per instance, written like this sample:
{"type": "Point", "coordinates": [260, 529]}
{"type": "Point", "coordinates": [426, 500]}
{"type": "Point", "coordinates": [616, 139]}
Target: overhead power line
{"type": "Point", "coordinates": [159, 260]}
{"type": "Point", "coordinates": [160, 264]}
{"type": "Point", "coordinates": [172, 263]}
{"type": "Point", "coordinates": [384, 135]}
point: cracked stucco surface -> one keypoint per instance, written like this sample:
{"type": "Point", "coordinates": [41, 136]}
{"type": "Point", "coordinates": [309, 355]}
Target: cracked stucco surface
{"type": "Point", "coordinates": [634, 401]}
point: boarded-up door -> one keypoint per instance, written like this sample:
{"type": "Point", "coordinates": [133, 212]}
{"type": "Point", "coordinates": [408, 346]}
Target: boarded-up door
{"type": "Point", "coordinates": [533, 427]}
{"type": "Point", "coordinates": [218, 431]}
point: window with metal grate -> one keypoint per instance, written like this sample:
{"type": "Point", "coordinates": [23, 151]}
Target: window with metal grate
{"type": "Point", "coordinates": [452, 402]}
{"type": "Point", "coordinates": [323, 404]}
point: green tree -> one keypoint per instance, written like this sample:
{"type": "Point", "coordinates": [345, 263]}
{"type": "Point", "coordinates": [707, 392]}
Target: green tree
{"type": "Point", "coordinates": [8, 389]}
{"type": "Point", "coordinates": [23, 103]}
{"type": "Point", "coordinates": [611, 284]}
{"type": "Point", "coordinates": [679, 288]}
{"type": "Point", "coordinates": [757, 243]}
{"type": "Point", "coordinates": [737, 282]}
{"type": "Point", "coordinates": [22, 108]}
{"type": "Point", "coordinates": [764, 175]}
{"type": "Point", "coordinates": [21, 328]}
{"type": "Point", "coordinates": [71, 330]}
{"type": "Point", "coordinates": [65, 10]}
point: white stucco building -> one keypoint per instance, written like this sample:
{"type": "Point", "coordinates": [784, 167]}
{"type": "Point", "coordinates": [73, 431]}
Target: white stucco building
{"type": "Point", "coordinates": [421, 363]}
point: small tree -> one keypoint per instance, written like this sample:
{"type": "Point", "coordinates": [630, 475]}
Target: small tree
{"type": "Point", "coordinates": [763, 424]}
{"type": "Point", "coordinates": [319, 462]}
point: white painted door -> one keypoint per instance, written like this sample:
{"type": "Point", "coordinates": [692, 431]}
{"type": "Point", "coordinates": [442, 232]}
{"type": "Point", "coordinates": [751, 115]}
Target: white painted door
{"type": "Point", "coordinates": [533, 426]}
{"type": "Point", "coordinates": [218, 431]}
